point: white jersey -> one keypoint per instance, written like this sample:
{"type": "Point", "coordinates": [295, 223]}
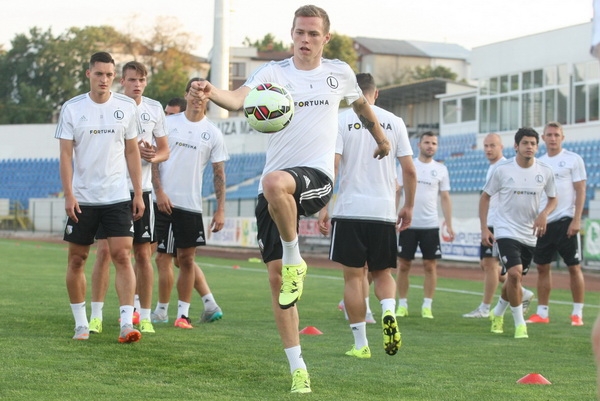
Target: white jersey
{"type": "Point", "coordinates": [99, 132]}
{"type": "Point", "coordinates": [193, 145]}
{"type": "Point", "coordinates": [367, 186]}
{"type": "Point", "coordinates": [568, 168]}
{"type": "Point", "coordinates": [152, 121]}
{"type": "Point", "coordinates": [309, 139]}
{"type": "Point", "coordinates": [493, 199]}
{"type": "Point", "coordinates": [519, 191]}
{"type": "Point", "coordinates": [432, 178]}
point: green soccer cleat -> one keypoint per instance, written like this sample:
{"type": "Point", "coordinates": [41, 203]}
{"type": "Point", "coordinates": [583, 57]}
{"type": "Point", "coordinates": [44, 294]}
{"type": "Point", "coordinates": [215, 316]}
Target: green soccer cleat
{"type": "Point", "coordinates": [392, 339]}
{"type": "Point", "coordinates": [96, 326]}
{"type": "Point", "coordinates": [426, 313]}
{"type": "Point", "coordinates": [362, 353]}
{"type": "Point", "coordinates": [300, 381]}
{"type": "Point", "coordinates": [209, 316]}
{"type": "Point", "coordinates": [497, 323]}
{"type": "Point", "coordinates": [146, 326]}
{"type": "Point", "coordinates": [292, 284]}
{"type": "Point", "coordinates": [401, 311]}
{"type": "Point", "coordinates": [521, 331]}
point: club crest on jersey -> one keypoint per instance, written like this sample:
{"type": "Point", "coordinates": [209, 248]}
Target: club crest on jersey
{"type": "Point", "coordinates": [119, 115]}
{"type": "Point", "coordinates": [332, 82]}
{"type": "Point", "coordinates": [205, 135]}
{"type": "Point", "coordinates": [145, 117]}
{"type": "Point", "coordinates": [539, 179]}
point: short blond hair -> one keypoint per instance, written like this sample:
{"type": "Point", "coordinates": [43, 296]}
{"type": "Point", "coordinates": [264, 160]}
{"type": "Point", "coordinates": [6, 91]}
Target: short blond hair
{"type": "Point", "coordinates": [313, 11]}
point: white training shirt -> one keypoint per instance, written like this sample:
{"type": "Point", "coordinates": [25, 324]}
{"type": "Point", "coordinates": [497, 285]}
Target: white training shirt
{"type": "Point", "coordinates": [193, 145]}
{"type": "Point", "coordinates": [432, 178]}
{"type": "Point", "coordinates": [99, 132]}
{"type": "Point", "coordinates": [367, 186]}
{"type": "Point", "coordinates": [309, 139]}
{"type": "Point", "coordinates": [152, 121]}
{"type": "Point", "coordinates": [568, 168]}
{"type": "Point", "coordinates": [493, 199]}
{"type": "Point", "coordinates": [519, 191]}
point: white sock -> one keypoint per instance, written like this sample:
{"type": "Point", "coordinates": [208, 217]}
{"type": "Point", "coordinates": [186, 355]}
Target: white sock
{"type": "Point", "coordinates": [80, 315]}
{"type": "Point", "coordinates": [126, 312]}
{"type": "Point", "coordinates": [359, 331]}
{"type": "Point", "coordinates": [501, 307]}
{"type": "Point", "coordinates": [97, 310]}
{"type": "Point", "coordinates": [543, 311]}
{"type": "Point", "coordinates": [161, 308]}
{"type": "Point", "coordinates": [145, 313]}
{"type": "Point", "coordinates": [291, 252]}
{"type": "Point", "coordinates": [577, 309]}
{"type": "Point", "coordinates": [183, 309]}
{"type": "Point", "coordinates": [427, 303]}
{"type": "Point", "coordinates": [484, 307]}
{"type": "Point", "coordinates": [294, 356]}
{"type": "Point", "coordinates": [209, 302]}
{"type": "Point", "coordinates": [517, 312]}
{"type": "Point", "coordinates": [403, 302]}
{"type": "Point", "coordinates": [388, 304]}
{"type": "Point", "coordinates": [136, 302]}
{"type": "Point", "coordinates": [368, 306]}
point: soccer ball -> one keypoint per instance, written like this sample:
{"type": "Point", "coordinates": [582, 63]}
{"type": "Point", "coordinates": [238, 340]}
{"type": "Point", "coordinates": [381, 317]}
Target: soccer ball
{"type": "Point", "coordinates": [268, 108]}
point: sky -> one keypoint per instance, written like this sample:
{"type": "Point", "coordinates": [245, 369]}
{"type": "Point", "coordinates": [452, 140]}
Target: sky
{"type": "Point", "coordinates": [469, 23]}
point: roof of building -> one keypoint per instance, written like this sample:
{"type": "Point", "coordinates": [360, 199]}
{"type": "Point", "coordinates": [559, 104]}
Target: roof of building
{"type": "Point", "coordinates": [415, 92]}
{"type": "Point", "coordinates": [413, 48]}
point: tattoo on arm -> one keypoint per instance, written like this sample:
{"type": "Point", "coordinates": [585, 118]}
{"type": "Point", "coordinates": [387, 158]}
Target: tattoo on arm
{"type": "Point", "coordinates": [368, 124]}
{"type": "Point", "coordinates": [156, 177]}
{"type": "Point", "coordinates": [219, 182]}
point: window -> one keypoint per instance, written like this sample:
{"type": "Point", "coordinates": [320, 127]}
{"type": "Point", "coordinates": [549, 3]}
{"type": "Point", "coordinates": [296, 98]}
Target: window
{"type": "Point", "coordinates": [450, 112]}
{"type": "Point", "coordinates": [468, 109]}
{"type": "Point", "coordinates": [483, 116]}
{"type": "Point", "coordinates": [238, 70]}
{"type": "Point", "coordinates": [504, 84]}
{"type": "Point", "coordinates": [593, 103]}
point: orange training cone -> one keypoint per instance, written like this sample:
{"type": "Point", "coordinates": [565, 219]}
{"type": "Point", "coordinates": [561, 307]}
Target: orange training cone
{"type": "Point", "coordinates": [533, 378]}
{"type": "Point", "coordinates": [236, 267]}
{"type": "Point", "coordinates": [311, 330]}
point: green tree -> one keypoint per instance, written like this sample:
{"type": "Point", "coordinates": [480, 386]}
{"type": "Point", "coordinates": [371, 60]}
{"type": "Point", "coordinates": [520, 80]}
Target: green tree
{"type": "Point", "coordinates": [427, 72]}
{"type": "Point", "coordinates": [341, 47]}
{"type": "Point", "coordinates": [267, 44]}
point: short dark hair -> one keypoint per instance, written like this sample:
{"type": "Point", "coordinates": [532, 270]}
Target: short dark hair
{"type": "Point", "coordinates": [189, 84]}
{"type": "Point", "coordinates": [179, 102]}
{"type": "Point", "coordinates": [427, 133]}
{"type": "Point", "coordinates": [366, 82]}
{"type": "Point", "coordinates": [313, 11]}
{"type": "Point", "coordinates": [101, 57]}
{"type": "Point", "coordinates": [137, 67]}
{"type": "Point", "coordinates": [526, 132]}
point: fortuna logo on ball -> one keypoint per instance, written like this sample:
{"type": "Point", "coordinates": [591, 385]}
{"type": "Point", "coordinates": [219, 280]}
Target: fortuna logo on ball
{"type": "Point", "coordinates": [268, 108]}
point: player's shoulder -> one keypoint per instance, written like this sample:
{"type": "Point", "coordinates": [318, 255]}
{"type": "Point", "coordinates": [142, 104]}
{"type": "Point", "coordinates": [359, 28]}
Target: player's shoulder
{"type": "Point", "coordinates": [151, 103]}
{"type": "Point", "coordinates": [75, 100]}
{"type": "Point", "coordinates": [121, 98]}
{"type": "Point", "coordinates": [572, 155]}
{"type": "Point", "coordinates": [543, 164]}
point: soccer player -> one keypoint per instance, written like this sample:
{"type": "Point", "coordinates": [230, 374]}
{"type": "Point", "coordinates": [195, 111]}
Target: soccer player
{"type": "Point", "coordinates": [564, 224]}
{"type": "Point", "coordinates": [154, 148]}
{"type": "Point", "coordinates": [519, 183]}
{"type": "Point", "coordinates": [175, 105]}
{"type": "Point", "coordinates": [492, 146]}
{"type": "Point", "coordinates": [297, 177]}
{"type": "Point", "coordinates": [194, 142]}
{"type": "Point", "coordinates": [364, 218]}
{"type": "Point", "coordinates": [432, 180]}
{"type": "Point", "coordinates": [98, 133]}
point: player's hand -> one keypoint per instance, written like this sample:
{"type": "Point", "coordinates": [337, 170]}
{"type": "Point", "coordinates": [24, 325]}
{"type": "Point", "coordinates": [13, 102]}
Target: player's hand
{"type": "Point", "coordinates": [324, 222]}
{"type": "Point", "coordinates": [383, 149]}
{"type": "Point", "coordinates": [539, 225]}
{"type": "Point", "coordinates": [218, 221]}
{"type": "Point", "coordinates": [163, 203]}
{"type": "Point", "coordinates": [574, 228]}
{"type": "Point", "coordinates": [138, 207]}
{"type": "Point", "coordinates": [147, 151]}
{"type": "Point", "coordinates": [72, 208]}
{"type": "Point", "coordinates": [487, 238]}
{"type": "Point", "coordinates": [201, 90]}
{"type": "Point", "coordinates": [404, 219]}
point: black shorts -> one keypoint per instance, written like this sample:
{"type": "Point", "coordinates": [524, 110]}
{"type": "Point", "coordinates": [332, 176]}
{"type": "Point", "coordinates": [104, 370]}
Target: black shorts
{"type": "Point", "coordinates": [555, 240]}
{"type": "Point", "coordinates": [428, 240]}
{"type": "Point", "coordinates": [356, 242]}
{"type": "Point", "coordinates": [487, 251]}
{"type": "Point", "coordinates": [313, 191]}
{"type": "Point", "coordinates": [143, 228]}
{"type": "Point", "coordinates": [512, 253]}
{"type": "Point", "coordinates": [117, 220]}
{"type": "Point", "coordinates": [180, 229]}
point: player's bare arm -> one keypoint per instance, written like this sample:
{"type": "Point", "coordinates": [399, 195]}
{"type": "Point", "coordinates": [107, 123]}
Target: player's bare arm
{"type": "Point", "coordinates": [230, 100]}
{"type": "Point", "coordinates": [134, 166]}
{"type": "Point", "coordinates": [162, 200]}
{"type": "Point", "coordinates": [218, 220]}
{"type": "Point", "coordinates": [487, 238]}
{"type": "Point", "coordinates": [66, 177]}
{"type": "Point", "coordinates": [409, 181]}
{"type": "Point", "coordinates": [367, 117]}
{"type": "Point", "coordinates": [539, 224]}
{"type": "Point", "coordinates": [575, 226]}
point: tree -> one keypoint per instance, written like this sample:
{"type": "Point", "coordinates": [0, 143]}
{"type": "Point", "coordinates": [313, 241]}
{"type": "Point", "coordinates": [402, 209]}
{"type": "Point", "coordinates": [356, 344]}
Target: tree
{"type": "Point", "coordinates": [427, 72]}
{"type": "Point", "coordinates": [341, 47]}
{"type": "Point", "coordinates": [267, 44]}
